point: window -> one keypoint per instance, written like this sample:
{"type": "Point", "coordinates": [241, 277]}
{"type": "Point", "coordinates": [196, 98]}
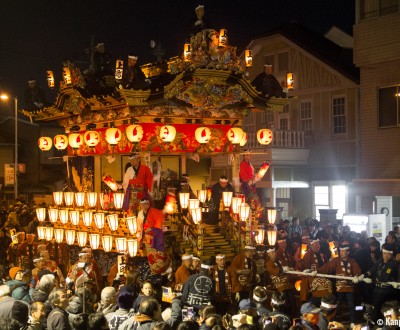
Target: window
{"type": "Point", "coordinates": [249, 124]}
{"type": "Point", "coordinates": [330, 197]}
{"type": "Point", "coordinates": [388, 98]}
{"type": "Point", "coordinates": [284, 124]}
{"type": "Point", "coordinates": [339, 115]}
{"type": "Point", "coordinates": [306, 121]}
{"type": "Point", "coordinates": [269, 119]}
{"type": "Point", "coordinates": [283, 62]}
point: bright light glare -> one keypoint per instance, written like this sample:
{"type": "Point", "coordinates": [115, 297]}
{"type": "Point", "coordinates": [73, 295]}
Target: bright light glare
{"type": "Point", "coordinates": [4, 96]}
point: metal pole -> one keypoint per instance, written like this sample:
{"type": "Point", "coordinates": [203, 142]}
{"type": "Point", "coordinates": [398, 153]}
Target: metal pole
{"type": "Point", "coordinates": [16, 149]}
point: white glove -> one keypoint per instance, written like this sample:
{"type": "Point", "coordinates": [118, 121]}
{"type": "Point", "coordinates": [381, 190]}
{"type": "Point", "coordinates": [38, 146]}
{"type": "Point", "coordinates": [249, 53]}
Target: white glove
{"type": "Point", "coordinates": [395, 285]}
{"type": "Point", "coordinates": [355, 279]}
{"type": "Point", "coordinates": [361, 277]}
{"type": "Point", "coordinates": [314, 273]}
{"type": "Point", "coordinates": [285, 268]}
{"type": "Point", "coordinates": [367, 280]}
{"type": "Point", "coordinates": [307, 271]}
{"type": "Point", "coordinates": [237, 296]}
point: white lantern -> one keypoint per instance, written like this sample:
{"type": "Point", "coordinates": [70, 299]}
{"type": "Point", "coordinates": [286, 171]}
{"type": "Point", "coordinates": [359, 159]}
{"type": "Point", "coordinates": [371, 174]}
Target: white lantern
{"type": "Point", "coordinates": [259, 237]}
{"type": "Point", "coordinates": [196, 214]}
{"type": "Point", "coordinates": [271, 235]}
{"type": "Point", "coordinates": [264, 136]}
{"type": "Point", "coordinates": [193, 203]}
{"type": "Point", "coordinates": [91, 138]}
{"type": "Point", "coordinates": [107, 243]}
{"type": "Point", "coordinates": [64, 216]}
{"type": "Point", "coordinates": [120, 244]}
{"type": "Point", "coordinates": [79, 199]}
{"type": "Point", "coordinates": [69, 198]}
{"type": "Point", "coordinates": [236, 202]}
{"type": "Point", "coordinates": [53, 215]}
{"type": "Point", "coordinates": [94, 240]}
{"type": "Point", "coordinates": [92, 199]}
{"type": "Point", "coordinates": [67, 76]}
{"type": "Point", "coordinates": [70, 236]}
{"type": "Point", "coordinates": [244, 139]}
{"type": "Point", "coordinates": [202, 134]}
{"type": "Point", "coordinates": [271, 216]}
{"type": "Point", "coordinates": [61, 142]}
{"type": "Point", "coordinates": [112, 220]}
{"type": "Point", "coordinates": [113, 136]}
{"type": "Point", "coordinates": [244, 212]}
{"type": "Point", "coordinates": [75, 140]}
{"type": "Point", "coordinates": [41, 232]}
{"type": "Point", "coordinates": [87, 217]}
{"type": "Point", "coordinates": [59, 235]}
{"type": "Point", "coordinates": [132, 247]}
{"type": "Point", "coordinates": [202, 195]}
{"type": "Point", "coordinates": [134, 133]}
{"type": "Point", "coordinates": [41, 213]}
{"type": "Point", "coordinates": [131, 222]}
{"type": "Point", "coordinates": [50, 79]}
{"type": "Point", "coordinates": [99, 220]}
{"type": "Point", "coordinates": [184, 200]}
{"type": "Point", "coordinates": [118, 200]}
{"type": "Point", "coordinates": [82, 238]}
{"type": "Point", "coordinates": [48, 231]}
{"type": "Point", "coordinates": [45, 143]}
{"type": "Point", "coordinates": [227, 198]}
{"type": "Point", "coordinates": [235, 135]}
{"type": "Point", "coordinates": [58, 197]}
{"type": "Point", "coordinates": [187, 52]}
{"type": "Point", "coordinates": [74, 216]}
{"type": "Point", "coordinates": [248, 58]}
{"type": "Point", "coordinates": [167, 133]}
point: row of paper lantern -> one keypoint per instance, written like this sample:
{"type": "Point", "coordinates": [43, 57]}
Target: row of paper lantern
{"type": "Point", "coordinates": [122, 244]}
{"type": "Point", "coordinates": [134, 134]}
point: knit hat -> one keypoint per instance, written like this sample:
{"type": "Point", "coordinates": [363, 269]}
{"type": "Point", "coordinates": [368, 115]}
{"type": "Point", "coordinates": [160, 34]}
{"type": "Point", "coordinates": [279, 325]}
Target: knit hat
{"type": "Point", "coordinates": [13, 271]}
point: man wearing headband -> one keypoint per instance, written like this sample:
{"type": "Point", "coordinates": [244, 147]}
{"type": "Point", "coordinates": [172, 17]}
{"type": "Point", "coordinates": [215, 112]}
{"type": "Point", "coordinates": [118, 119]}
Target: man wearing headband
{"type": "Point", "coordinates": [223, 285]}
{"type": "Point", "coordinates": [199, 289]}
{"type": "Point", "coordinates": [328, 310]}
{"type": "Point", "coordinates": [183, 272]}
{"type": "Point", "coordinates": [133, 76]}
{"type": "Point", "coordinates": [344, 266]}
{"type": "Point", "coordinates": [312, 258]}
{"type": "Point", "coordinates": [278, 315]}
{"type": "Point", "coordinates": [385, 270]}
{"type": "Point", "coordinates": [195, 266]}
{"type": "Point", "coordinates": [216, 198]}
{"type": "Point", "coordinates": [267, 84]}
{"type": "Point", "coordinates": [138, 183]}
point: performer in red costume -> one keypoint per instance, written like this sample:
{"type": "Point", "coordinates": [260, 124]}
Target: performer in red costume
{"type": "Point", "coordinates": [248, 180]}
{"type": "Point", "coordinates": [138, 183]}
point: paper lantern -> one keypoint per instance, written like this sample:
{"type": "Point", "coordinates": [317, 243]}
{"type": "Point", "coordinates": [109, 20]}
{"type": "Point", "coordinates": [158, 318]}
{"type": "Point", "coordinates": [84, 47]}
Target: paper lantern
{"type": "Point", "coordinates": [69, 198]}
{"type": "Point", "coordinates": [48, 231]}
{"type": "Point", "coordinates": [74, 216]}
{"type": "Point", "coordinates": [91, 138]}
{"type": "Point", "coordinates": [196, 214]}
{"type": "Point", "coordinates": [64, 216]}
{"type": "Point", "coordinates": [75, 140]}
{"type": "Point", "coordinates": [264, 136]}
{"type": "Point", "coordinates": [194, 203]}
{"type": "Point", "coordinates": [304, 248]}
{"type": "Point", "coordinates": [120, 244]}
{"type": "Point", "coordinates": [297, 285]}
{"type": "Point", "coordinates": [170, 204]}
{"type": "Point", "coordinates": [82, 238]}
{"type": "Point", "coordinates": [67, 76]}
{"type": "Point", "coordinates": [59, 235]}
{"type": "Point", "coordinates": [45, 143]}
{"type": "Point", "coordinates": [50, 79]}
{"type": "Point", "coordinates": [227, 198]}
{"type": "Point", "coordinates": [58, 197]}
{"type": "Point", "coordinates": [259, 237]}
{"type": "Point", "coordinates": [167, 133]}
{"type": "Point", "coordinates": [92, 199]}
{"type": "Point", "coordinates": [113, 136]}
{"type": "Point", "coordinates": [184, 200]}
{"type": "Point", "coordinates": [187, 52]}
{"type": "Point", "coordinates": [244, 139]}
{"type": "Point", "coordinates": [94, 240]}
{"type": "Point", "coordinates": [119, 69]}
{"type": "Point", "coordinates": [60, 142]}
{"type": "Point", "coordinates": [271, 236]}
{"type": "Point", "coordinates": [41, 232]}
{"type": "Point", "coordinates": [41, 213]}
{"type": "Point", "coordinates": [80, 199]}
{"type": "Point", "coordinates": [53, 215]}
{"type": "Point", "coordinates": [235, 135]}
{"type": "Point", "coordinates": [248, 58]}
{"type": "Point", "coordinates": [99, 220]}
{"type": "Point", "coordinates": [134, 133]}
{"type": "Point", "coordinates": [263, 169]}
{"type": "Point", "coordinates": [118, 200]}
{"type": "Point", "coordinates": [236, 202]}
{"type": "Point", "coordinates": [244, 212]}
{"type": "Point", "coordinates": [202, 195]}
{"type": "Point", "coordinates": [132, 245]}
{"type": "Point", "coordinates": [110, 182]}
{"type": "Point", "coordinates": [70, 236]}
{"type": "Point", "coordinates": [223, 38]}
{"type": "Point", "coordinates": [107, 243]}
{"type": "Point", "coordinates": [334, 250]}
{"type": "Point", "coordinates": [289, 81]}
{"type": "Point", "coordinates": [131, 222]}
{"type": "Point", "coordinates": [202, 134]}
{"type": "Point", "coordinates": [112, 220]}
{"type": "Point", "coordinates": [271, 216]}
{"type": "Point", "coordinates": [87, 217]}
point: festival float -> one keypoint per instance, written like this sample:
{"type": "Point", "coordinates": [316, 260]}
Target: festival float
{"type": "Point", "coordinates": [192, 104]}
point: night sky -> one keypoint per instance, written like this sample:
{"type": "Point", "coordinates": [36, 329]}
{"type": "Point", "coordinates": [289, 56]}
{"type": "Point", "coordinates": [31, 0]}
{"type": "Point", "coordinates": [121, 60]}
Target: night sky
{"type": "Point", "coordinates": [36, 35]}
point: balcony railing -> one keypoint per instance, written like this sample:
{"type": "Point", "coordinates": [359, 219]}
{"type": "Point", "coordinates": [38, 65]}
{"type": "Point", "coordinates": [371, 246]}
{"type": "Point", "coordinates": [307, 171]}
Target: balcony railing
{"type": "Point", "coordinates": [281, 139]}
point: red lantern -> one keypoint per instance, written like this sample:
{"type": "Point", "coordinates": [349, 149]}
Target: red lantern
{"type": "Point", "coordinates": [264, 136]}
{"type": "Point", "coordinates": [45, 143]}
{"type": "Point", "coordinates": [202, 134]}
{"type": "Point", "coordinates": [134, 133]}
{"type": "Point", "coordinates": [113, 136]}
{"type": "Point", "coordinates": [235, 135]}
{"type": "Point", "coordinates": [60, 142]}
{"type": "Point", "coordinates": [91, 138]}
{"type": "Point", "coordinates": [264, 168]}
{"type": "Point", "coordinates": [167, 133]}
{"type": "Point", "coordinates": [75, 140]}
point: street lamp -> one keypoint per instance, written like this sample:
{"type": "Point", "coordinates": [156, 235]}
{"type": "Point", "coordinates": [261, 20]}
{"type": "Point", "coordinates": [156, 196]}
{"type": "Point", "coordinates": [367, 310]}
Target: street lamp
{"type": "Point", "coordinates": [6, 97]}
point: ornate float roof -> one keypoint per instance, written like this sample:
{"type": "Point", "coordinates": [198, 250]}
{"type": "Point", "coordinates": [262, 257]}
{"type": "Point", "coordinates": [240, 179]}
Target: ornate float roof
{"type": "Point", "coordinates": [210, 87]}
